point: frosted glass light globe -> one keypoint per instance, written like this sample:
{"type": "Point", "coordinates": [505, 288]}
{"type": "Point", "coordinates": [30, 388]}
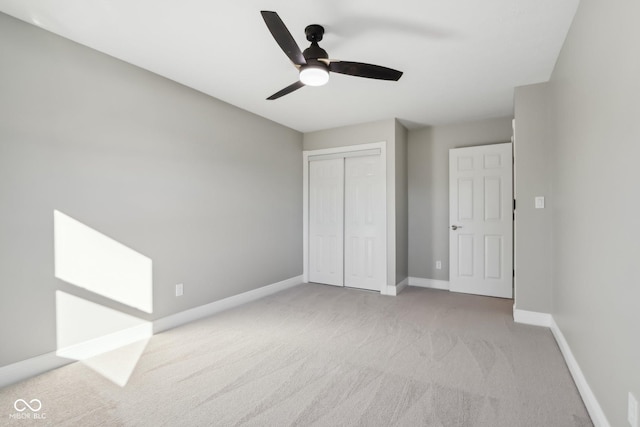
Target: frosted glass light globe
{"type": "Point", "coordinates": [314, 76]}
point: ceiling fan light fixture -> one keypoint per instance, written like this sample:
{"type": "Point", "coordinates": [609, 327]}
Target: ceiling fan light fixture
{"type": "Point", "coordinates": [314, 75]}
{"type": "Point", "coordinates": [313, 63]}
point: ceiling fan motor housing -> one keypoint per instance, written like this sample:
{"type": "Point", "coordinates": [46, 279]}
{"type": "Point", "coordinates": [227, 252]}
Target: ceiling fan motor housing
{"type": "Point", "coordinates": [314, 52]}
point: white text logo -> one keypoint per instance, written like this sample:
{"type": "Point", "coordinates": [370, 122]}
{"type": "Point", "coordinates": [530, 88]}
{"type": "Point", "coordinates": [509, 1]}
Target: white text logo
{"type": "Point", "coordinates": [34, 405]}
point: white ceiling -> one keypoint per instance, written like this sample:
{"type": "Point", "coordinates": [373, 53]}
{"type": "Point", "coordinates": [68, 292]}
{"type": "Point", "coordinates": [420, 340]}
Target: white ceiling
{"type": "Point", "coordinates": [461, 58]}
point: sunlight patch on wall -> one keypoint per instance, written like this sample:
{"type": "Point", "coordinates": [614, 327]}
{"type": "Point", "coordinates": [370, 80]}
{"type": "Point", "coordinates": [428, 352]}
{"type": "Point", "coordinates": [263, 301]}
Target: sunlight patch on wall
{"type": "Point", "coordinates": [106, 340]}
{"type": "Point", "coordinates": [88, 259]}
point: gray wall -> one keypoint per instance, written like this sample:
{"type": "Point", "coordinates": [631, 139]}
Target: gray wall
{"type": "Point", "coordinates": [402, 204]}
{"type": "Point", "coordinates": [428, 183]}
{"type": "Point", "coordinates": [365, 133]}
{"type": "Point", "coordinates": [533, 227]}
{"type": "Point", "coordinates": [595, 88]}
{"type": "Point", "coordinates": [207, 191]}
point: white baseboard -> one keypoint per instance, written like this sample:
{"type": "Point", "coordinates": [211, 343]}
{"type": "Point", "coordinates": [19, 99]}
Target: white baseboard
{"type": "Point", "coordinates": [394, 290]}
{"type": "Point", "coordinates": [206, 310]}
{"type": "Point", "coordinates": [388, 290]}
{"type": "Point", "coordinates": [532, 318]}
{"type": "Point", "coordinates": [429, 283]}
{"type": "Point", "coordinates": [545, 319]}
{"type": "Point", "coordinates": [106, 343]}
{"type": "Point", "coordinates": [400, 286]}
{"type": "Point", "coordinates": [593, 407]}
{"type": "Point", "coordinates": [24, 369]}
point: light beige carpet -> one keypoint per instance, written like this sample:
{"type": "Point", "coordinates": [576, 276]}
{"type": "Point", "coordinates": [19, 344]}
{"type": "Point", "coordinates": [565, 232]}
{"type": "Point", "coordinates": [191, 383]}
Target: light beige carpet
{"type": "Point", "coordinates": [325, 356]}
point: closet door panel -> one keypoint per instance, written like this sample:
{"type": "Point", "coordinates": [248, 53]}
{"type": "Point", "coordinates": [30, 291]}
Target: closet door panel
{"type": "Point", "coordinates": [364, 223]}
{"type": "Point", "coordinates": [326, 221]}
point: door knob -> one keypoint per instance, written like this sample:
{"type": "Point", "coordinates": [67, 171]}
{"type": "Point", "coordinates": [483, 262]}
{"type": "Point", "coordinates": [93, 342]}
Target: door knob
{"type": "Point", "coordinates": [455, 227]}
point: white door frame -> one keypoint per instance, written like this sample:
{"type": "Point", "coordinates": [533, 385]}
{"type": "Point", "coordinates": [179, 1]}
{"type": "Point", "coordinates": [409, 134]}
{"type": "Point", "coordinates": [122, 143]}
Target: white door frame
{"type": "Point", "coordinates": [390, 239]}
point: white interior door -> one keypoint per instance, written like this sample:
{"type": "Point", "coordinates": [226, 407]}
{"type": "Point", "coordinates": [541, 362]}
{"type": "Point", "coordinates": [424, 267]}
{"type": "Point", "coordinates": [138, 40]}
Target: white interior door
{"type": "Point", "coordinates": [481, 220]}
{"type": "Point", "coordinates": [326, 221]}
{"type": "Point", "coordinates": [365, 223]}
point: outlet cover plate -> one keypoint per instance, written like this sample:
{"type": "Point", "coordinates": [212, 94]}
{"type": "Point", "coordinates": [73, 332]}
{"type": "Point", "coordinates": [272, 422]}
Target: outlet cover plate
{"type": "Point", "coordinates": [179, 289]}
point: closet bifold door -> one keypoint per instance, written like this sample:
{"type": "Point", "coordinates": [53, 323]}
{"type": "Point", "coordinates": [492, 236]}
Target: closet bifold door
{"type": "Point", "coordinates": [326, 221]}
{"type": "Point", "coordinates": [364, 223]}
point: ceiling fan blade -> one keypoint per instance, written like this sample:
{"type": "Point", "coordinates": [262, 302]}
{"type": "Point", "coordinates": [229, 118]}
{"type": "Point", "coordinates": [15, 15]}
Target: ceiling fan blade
{"type": "Point", "coordinates": [283, 37]}
{"type": "Point", "coordinates": [369, 71]}
{"type": "Point", "coordinates": [295, 86]}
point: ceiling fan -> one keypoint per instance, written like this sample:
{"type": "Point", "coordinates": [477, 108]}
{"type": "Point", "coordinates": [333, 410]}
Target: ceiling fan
{"type": "Point", "coordinates": [314, 63]}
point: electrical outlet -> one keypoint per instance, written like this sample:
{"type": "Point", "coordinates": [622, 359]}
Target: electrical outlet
{"type": "Point", "coordinates": [633, 415]}
{"type": "Point", "coordinates": [179, 289]}
{"type": "Point", "coordinates": [438, 265]}
{"type": "Point", "coordinates": [539, 202]}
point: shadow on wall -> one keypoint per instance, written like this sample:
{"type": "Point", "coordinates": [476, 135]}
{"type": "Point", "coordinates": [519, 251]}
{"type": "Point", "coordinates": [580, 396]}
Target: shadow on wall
{"type": "Point", "coordinates": [106, 340]}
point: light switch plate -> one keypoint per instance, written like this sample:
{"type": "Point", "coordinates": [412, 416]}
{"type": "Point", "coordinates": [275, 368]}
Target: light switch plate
{"type": "Point", "coordinates": [539, 202]}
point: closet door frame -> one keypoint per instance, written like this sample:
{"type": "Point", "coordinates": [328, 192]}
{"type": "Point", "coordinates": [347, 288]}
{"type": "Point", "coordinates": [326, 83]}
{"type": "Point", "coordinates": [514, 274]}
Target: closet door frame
{"type": "Point", "coordinates": [350, 150]}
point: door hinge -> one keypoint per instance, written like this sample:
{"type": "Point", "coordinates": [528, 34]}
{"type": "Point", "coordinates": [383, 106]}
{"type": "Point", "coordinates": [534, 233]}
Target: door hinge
{"type": "Point", "coordinates": [514, 204]}
{"type": "Point", "coordinates": [514, 273]}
